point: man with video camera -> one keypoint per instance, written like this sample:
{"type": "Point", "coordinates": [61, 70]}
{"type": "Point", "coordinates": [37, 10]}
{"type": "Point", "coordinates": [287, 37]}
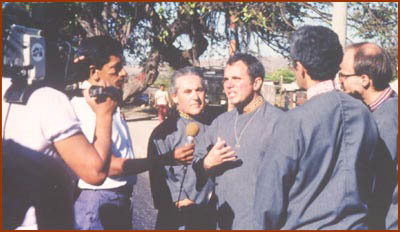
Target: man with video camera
{"type": "Point", "coordinates": [108, 206]}
{"type": "Point", "coordinates": [39, 123]}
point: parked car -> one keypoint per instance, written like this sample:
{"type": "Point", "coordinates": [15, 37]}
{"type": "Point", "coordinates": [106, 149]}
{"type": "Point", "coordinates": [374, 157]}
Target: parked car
{"type": "Point", "coordinates": [142, 99]}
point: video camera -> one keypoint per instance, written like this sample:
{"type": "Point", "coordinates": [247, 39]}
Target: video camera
{"type": "Point", "coordinates": [24, 60]}
{"type": "Point", "coordinates": [24, 54]}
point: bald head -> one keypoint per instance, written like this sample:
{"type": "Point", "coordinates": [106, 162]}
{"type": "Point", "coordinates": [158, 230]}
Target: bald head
{"type": "Point", "coordinates": [373, 61]}
{"type": "Point", "coordinates": [366, 48]}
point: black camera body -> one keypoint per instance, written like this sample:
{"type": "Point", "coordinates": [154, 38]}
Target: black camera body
{"type": "Point", "coordinates": [25, 59]}
{"type": "Point", "coordinates": [101, 93]}
{"type": "Point", "coordinates": [33, 60]}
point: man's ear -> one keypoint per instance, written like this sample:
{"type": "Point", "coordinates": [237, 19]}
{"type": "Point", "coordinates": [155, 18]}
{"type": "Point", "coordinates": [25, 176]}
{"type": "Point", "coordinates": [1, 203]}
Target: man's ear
{"type": "Point", "coordinates": [93, 73]}
{"type": "Point", "coordinates": [257, 83]}
{"type": "Point", "coordinates": [366, 82]}
{"type": "Point", "coordinates": [301, 69]}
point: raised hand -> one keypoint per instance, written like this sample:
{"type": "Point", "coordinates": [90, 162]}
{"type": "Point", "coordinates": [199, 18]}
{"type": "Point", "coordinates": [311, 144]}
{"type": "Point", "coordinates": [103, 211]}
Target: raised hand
{"type": "Point", "coordinates": [219, 154]}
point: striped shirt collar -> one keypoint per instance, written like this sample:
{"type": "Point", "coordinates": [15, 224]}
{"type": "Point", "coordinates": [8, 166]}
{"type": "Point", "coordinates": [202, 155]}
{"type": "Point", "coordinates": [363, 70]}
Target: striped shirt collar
{"type": "Point", "coordinates": [320, 88]}
{"type": "Point", "coordinates": [383, 97]}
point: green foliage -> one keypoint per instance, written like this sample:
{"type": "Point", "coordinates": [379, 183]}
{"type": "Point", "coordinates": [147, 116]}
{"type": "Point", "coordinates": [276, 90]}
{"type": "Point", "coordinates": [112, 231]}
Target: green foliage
{"type": "Point", "coordinates": [285, 73]}
{"type": "Point", "coordinates": [377, 22]}
{"type": "Point", "coordinates": [157, 25]}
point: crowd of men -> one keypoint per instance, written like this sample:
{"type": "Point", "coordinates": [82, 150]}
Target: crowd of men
{"type": "Point", "coordinates": [330, 163]}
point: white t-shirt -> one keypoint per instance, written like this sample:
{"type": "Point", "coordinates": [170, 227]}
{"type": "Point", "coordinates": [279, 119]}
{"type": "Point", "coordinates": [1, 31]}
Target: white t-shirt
{"type": "Point", "coordinates": [47, 117]}
{"type": "Point", "coordinates": [121, 140]}
{"type": "Point", "coordinates": [161, 97]}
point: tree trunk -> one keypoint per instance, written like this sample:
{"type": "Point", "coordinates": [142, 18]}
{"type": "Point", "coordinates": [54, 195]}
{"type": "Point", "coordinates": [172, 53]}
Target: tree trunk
{"type": "Point", "coordinates": [137, 84]}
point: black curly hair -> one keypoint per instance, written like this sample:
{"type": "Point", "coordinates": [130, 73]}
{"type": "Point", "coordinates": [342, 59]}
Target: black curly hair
{"type": "Point", "coordinates": [95, 51]}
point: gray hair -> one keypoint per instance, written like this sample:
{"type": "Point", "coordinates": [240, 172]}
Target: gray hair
{"type": "Point", "coordinates": [183, 72]}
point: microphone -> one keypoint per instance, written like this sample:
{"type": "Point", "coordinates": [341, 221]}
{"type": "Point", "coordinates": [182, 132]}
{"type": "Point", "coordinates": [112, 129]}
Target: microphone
{"type": "Point", "coordinates": [192, 129]}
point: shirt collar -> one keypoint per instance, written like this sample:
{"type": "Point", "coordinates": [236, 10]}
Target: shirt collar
{"type": "Point", "coordinates": [320, 88]}
{"type": "Point", "coordinates": [383, 97]}
{"type": "Point", "coordinates": [185, 115]}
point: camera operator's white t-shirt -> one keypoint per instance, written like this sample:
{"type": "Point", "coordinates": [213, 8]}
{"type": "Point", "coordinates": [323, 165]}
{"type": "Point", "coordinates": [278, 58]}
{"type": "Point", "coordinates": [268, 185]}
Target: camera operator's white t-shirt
{"type": "Point", "coordinates": [46, 118]}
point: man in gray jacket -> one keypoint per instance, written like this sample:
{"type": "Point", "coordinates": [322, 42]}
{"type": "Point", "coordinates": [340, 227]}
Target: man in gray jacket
{"type": "Point", "coordinates": [181, 198]}
{"type": "Point", "coordinates": [366, 73]}
{"type": "Point", "coordinates": [319, 172]}
{"type": "Point", "coordinates": [238, 140]}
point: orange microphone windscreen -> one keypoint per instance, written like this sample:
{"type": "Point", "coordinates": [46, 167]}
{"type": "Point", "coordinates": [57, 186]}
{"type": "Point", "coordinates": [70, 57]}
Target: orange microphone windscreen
{"type": "Point", "coordinates": [192, 129]}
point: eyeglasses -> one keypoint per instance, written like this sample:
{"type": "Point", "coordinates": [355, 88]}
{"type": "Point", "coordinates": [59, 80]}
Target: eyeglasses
{"type": "Point", "coordinates": [341, 75]}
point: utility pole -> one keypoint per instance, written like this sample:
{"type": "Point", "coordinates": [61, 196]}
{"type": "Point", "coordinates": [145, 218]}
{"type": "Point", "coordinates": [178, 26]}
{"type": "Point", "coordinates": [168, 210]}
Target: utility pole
{"type": "Point", "coordinates": [339, 23]}
{"type": "Point", "coordinates": [339, 17]}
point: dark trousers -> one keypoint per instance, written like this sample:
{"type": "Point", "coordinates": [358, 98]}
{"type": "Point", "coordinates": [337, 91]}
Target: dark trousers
{"type": "Point", "coordinates": [193, 217]}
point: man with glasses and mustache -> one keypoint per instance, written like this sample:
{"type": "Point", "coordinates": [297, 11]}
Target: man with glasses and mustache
{"type": "Point", "coordinates": [319, 171]}
{"type": "Point", "coordinates": [365, 74]}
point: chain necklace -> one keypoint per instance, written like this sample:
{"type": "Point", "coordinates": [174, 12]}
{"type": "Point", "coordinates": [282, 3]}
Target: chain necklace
{"type": "Point", "coordinates": [237, 138]}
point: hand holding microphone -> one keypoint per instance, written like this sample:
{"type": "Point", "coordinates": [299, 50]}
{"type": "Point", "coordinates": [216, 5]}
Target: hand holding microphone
{"type": "Point", "coordinates": [184, 155]}
{"type": "Point", "coordinates": [192, 129]}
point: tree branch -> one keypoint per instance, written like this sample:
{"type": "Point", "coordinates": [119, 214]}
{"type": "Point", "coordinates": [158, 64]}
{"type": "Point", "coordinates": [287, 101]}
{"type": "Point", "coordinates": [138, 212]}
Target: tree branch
{"type": "Point", "coordinates": [283, 11]}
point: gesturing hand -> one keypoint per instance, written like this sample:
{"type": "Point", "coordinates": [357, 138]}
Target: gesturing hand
{"type": "Point", "coordinates": [218, 155]}
{"type": "Point", "coordinates": [184, 155]}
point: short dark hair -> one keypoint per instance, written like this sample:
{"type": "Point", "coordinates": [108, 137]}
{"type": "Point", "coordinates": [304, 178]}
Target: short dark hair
{"type": "Point", "coordinates": [183, 72]}
{"type": "Point", "coordinates": [373, 61]}
{"type": "Point", "coordinates": [97, 51]}
{"type": "Point", "coordinates": [318, 49]}
{"type": "Point", "coordinates": [254, 66]}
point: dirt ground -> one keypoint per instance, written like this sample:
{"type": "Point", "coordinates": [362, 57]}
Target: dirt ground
{"type": "Point", "coordinates": [141, 122]}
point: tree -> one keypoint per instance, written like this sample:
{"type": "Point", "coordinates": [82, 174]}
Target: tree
{"type": "Point", "coordinates": [370, 21]}
{"type": "Point", "coordinates": [153, 32]}
{"type": "Point", "coordinates": [378, 21]}
{"type": "Point", "coordinates": [286, 74]}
